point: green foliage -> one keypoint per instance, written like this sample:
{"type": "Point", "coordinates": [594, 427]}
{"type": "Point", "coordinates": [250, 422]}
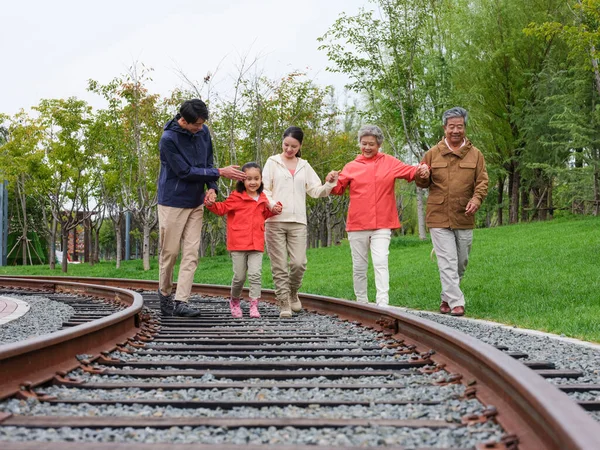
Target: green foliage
{"type": "Point", "coordinates": [107, 239]}
{"type": "Point", "coordinates": [394, 58]}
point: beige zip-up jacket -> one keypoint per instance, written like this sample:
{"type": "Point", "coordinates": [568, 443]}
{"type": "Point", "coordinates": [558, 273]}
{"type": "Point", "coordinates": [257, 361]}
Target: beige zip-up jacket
{"type": "Point", "coordinates": [281, 186]}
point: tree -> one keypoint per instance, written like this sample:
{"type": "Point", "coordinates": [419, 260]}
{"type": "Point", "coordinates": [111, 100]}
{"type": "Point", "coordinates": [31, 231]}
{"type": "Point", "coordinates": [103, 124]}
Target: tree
{"type": "Point", "coordinates": [496, 70]}
{"type": "Point", "coordinates": [67, 177]}
{"type": "Point", "coordinates": [136, 120]}
{"type": "Point", "coordinates": [21, 162]}
{"type": "Point", "coordinates": [580, 117]}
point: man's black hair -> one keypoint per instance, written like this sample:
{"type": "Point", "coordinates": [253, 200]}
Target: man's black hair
{"type": "Point", "coordinates": [194, 109]}
{"type": "Point", "coordinates": [240, 184]}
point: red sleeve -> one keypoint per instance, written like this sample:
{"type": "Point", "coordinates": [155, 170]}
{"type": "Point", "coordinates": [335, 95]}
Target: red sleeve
{"type": "Point", "coordinates": [222, 208]}
{"type": "Point", "coordinates": [267, 212]}
{"type": "Point", "coordinates": [342, 183]}
{"type": "Point", "coordinates": [405, 171]}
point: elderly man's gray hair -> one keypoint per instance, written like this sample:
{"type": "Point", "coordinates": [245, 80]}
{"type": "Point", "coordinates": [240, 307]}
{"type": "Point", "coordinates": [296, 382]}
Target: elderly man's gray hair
{"type": "Point", "coordinates": [371, 130]}
{"type": "Point", "coordinates": [457, 111]}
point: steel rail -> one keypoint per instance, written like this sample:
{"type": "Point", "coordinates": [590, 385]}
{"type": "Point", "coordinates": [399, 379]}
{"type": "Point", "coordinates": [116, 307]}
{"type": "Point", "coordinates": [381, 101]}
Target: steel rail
{"type": "Point", "coordinates": [540, 414]}
{"type": "Point", "coordinates": [37, 360]}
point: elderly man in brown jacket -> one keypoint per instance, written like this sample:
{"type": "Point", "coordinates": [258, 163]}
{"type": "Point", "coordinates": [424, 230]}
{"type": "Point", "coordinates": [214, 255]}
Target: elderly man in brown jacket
{"type": "Point", "coordinates": [457, 183]}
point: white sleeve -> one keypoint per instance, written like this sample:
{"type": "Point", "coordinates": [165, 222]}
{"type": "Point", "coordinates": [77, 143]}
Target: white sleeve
{"type": "Point", "coordinates": [314, 188]}
{"type": "Point", "coordinates": [268, 181]}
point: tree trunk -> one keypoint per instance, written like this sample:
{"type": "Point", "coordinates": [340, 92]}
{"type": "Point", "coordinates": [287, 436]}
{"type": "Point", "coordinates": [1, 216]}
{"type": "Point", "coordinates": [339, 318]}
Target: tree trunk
{"type": "Point", "coordinates": [96, 256]}
{"type": "Point", "coordinates": [511, 177]}
{"type": "Point", "coordinates": [23, 202]}
{"type": "Point", "coordinates": [579, 159]}
{"type": "Point", "coordinates": [119, 238]}
{"type": "Point", "coordinates": [65, 245]}
{"type": "Point", "coordinates": [421, 214]}
{"type": "Point", "coordinates": [525, 205]}
{"type": "Point", "coordinates": [75, 255]}
{"type": "Point", "coordinates": [214, 240]}
{"type": "Point", "coordinates": [543, 208]}
{"type": "Point", "coordinates": [53, 244]}
{"type": "Point", "coordinates": [550, 199]}
{"type": "Point", "coordinates": [500, 200]}
{"type": "Point", "coordinates": [596, 188]}
{"type": "Point", "coordinates": [514, 198]}
{"type": "Point", "coordinates": [202, 242]}
{"type": "Point", "coordinates": [328, 225]}
{"type": "Point", "coordinates": [146, 245]}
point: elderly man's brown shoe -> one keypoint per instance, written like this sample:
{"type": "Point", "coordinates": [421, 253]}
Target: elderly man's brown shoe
{"type": "Point", "coordinates": [444, 308]}
{"type": "Point", "coordinates": [458, 311]}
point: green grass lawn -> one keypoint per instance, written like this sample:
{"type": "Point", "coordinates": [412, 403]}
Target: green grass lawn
{"type": "Point", "coordinates": [544, 276]}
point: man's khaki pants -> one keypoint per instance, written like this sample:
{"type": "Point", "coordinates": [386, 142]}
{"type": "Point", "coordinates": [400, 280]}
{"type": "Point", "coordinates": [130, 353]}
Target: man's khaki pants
{"type": "Point", "coordinates": [452, 248]}
{"type": "Point", "coordinates": [249, 263]}
{"type": "Point", "coordinates": [286, 239]}
{"type": "Point", "coordinates": [379, 243]}
{"type": "Point", "coordinates": [179, 228]}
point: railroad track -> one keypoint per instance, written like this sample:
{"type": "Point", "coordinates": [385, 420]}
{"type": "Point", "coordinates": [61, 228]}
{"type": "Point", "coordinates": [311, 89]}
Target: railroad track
{"type": "Point", "coordinates": [341, 375]}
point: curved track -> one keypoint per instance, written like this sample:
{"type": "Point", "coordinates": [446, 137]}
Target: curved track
{"type": "Point", "coordinates": [533, 413]}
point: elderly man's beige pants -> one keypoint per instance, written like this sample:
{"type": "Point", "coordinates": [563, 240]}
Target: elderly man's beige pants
{"type": "Point", "coordinates": [452, 248]}
{"type": "Point", "coordinates": [179, 228]}
{"type": "Point", "coordinates": [379, 243]}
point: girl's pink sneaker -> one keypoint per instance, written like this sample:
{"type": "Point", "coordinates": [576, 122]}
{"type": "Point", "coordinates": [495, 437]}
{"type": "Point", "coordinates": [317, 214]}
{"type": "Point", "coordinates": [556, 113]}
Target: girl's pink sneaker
{"type": "Point", "coordinates": [234, 305]}
{"type": "Point", "coordinates": [254, 308]}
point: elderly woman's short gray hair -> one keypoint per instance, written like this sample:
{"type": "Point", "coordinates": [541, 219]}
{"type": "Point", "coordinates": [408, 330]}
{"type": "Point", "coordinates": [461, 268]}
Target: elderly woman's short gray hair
{"type": "Point", "coordinates": [371, 130]}
{"type": "Point", "coordinates": [457, 111]}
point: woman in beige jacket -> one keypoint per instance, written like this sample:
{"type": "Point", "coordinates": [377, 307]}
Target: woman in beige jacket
{"type": "Point", "coordinates": [287, 179]}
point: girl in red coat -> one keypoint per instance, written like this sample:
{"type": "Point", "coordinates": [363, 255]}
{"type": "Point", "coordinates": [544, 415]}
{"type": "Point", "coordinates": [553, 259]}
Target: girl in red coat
{"type": "Point", "coordinates": [247, 208]}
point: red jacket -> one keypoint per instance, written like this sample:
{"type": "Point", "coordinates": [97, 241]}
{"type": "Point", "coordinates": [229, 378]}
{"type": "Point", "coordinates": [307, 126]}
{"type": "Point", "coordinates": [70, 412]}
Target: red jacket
{"type": "Point", "coordinates": [372, 197]}
{"type": "Point", "coordinates": [245, 221]}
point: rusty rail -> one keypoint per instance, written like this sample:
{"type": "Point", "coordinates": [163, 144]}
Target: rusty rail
{"type": "Point", "coordinates": [37, 360]}
{"type": "Point", "coordinates": [541, 415]}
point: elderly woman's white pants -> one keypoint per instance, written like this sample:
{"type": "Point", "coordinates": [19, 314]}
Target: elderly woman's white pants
{"type": "Point", "coordinates": [379, 243]}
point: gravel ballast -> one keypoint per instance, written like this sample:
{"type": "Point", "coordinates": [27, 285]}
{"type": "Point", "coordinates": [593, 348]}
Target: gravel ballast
{"type": "Point", "coordinates": [565, 355]}
{"type": "Point", "coordinates": [45, 316]}
{"type": "Point", "coordinates": [335, 335]}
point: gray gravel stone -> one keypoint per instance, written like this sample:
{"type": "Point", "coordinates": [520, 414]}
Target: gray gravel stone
{"type": "Point", "coordinates": [564, 355]}
{"type": "Point", "coordinates": [464, 437]}
{"type": "Point", "coordinates": [45, 316]}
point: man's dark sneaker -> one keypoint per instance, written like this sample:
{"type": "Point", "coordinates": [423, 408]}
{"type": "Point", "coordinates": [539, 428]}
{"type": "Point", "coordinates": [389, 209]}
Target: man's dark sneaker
{"type": "Point", "coordinates": [181, 309]}
{"type": "Point", "coordinates": [166, 304]}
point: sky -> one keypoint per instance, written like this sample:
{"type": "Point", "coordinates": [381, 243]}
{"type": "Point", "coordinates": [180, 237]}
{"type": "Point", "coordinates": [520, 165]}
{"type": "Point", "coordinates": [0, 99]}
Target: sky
{"type": "Point", "coordinates": [49, 49]}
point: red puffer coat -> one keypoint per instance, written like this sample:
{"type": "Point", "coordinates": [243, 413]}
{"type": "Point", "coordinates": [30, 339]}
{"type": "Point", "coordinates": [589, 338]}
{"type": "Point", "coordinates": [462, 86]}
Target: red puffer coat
{"type": "Point", "coordinates": [245, 221]}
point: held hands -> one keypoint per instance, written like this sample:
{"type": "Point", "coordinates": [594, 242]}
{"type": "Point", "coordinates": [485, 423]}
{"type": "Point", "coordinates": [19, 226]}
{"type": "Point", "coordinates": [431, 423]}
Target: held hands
{"type": "Point", "coordinates": [423, 171]}
{"type": "Point", "coordinates": [277, 208]}
{"type": "Point", "coordinates": [332, 176]}
{"type": "Point", "coordinates": [210, 198]}
{"type": "Point", "coordinates": [232, 173]}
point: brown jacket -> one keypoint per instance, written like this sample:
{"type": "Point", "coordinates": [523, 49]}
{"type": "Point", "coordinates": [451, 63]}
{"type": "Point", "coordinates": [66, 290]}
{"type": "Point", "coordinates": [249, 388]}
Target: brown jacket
{"type": "Point", "coordinates": [456, 178]}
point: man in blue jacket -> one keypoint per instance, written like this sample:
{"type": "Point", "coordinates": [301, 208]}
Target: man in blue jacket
{"type": "Point", "coordinates": [186, 169]}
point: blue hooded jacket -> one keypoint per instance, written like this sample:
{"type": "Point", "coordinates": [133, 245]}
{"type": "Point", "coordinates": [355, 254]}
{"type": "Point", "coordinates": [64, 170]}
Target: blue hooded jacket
{"type": "Point", "coordinates": [186, 166]}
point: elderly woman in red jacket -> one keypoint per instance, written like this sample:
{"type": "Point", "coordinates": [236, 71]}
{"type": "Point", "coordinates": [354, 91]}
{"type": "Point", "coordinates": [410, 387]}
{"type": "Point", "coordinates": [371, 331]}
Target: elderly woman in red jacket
{"type": "Point", "coordinates": [372, 214]}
